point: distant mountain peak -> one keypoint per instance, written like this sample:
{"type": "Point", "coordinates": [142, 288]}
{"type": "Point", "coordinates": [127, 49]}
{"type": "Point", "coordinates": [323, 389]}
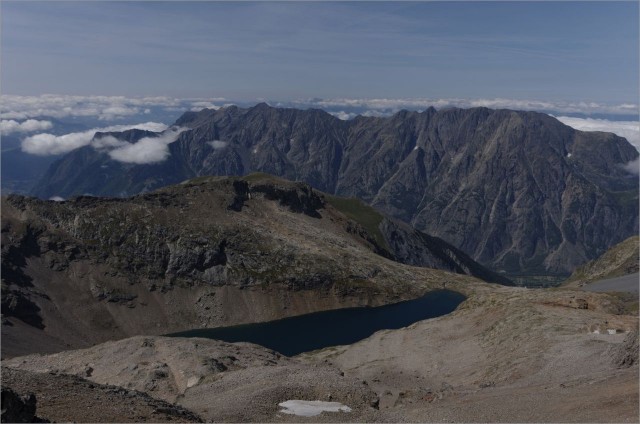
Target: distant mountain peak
{"type": "Point", "coordinates": [519, 191]}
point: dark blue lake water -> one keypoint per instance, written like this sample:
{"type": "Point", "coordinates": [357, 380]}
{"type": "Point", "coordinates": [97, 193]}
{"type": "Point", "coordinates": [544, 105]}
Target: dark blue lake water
{"type": "Point", "coordinates": [291, 336]}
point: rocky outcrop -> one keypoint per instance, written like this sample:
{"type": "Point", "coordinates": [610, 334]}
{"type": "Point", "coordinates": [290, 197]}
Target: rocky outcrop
{"type": "Point", "coordinates": [518, 191]}
{"type": "Point", "coordinates": [70, 398]}
{"type": "Point", "coordinates": [19, 409]}
{"type": "Point", "coordinates": [626, 355]}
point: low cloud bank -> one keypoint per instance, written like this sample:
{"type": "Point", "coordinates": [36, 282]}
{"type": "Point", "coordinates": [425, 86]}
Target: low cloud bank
{"type": "Point", "coordinates": [115, 107]}
{"type": "Point", "coordinates": [101, 107]}
{"type": "Point", "coordinates": [30, 125]}
{"type": "Point", "coordinates": [386, 106]}
{"type": "Point", "coordinates": [344, 116]}
{"type": "Point", "coordinates": [633, 167]}
{"type": "Point", "coordinates": [148, 149]}
{"type": "Point", "coordinates": [627, 129]}
{"type": "Point", "coordinates": [49, 144]}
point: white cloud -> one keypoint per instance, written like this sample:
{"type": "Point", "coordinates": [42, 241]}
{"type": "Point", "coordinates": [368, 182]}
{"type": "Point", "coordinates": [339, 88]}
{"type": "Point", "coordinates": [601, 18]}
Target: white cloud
{"type": "Point", "coordinates": [57, 198]}
{"type": "Point", "coordinates": [107, 142]}
{"type": "Point", "coordinates": [633, 167]}
{"type": "Point", "coordinates": [147, 149]}
{"type": "Point", "coordinates": [101, 107]}
{"type": "Point", "coordinates": [627, 129]}
{"type": "Point", "coordinates": [217, 144]}
{"type": "Point", "coordinates": [115, 111]}
{"type": "Point", "coordinates": [50, 144]}
{"type": "Point", "coordinates": [199, 105]}
{"type": "Point", "coordinates": [30, 125]}
{"type": "Point", "coordinates": [60, 106]}
{"type": "Point", "coordinates": [388, 106]}
{"type": "Point", "coordinates": [344, 116]}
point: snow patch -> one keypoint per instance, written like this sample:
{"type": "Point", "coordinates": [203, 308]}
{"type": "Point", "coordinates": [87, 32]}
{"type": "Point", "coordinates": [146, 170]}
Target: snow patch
{"type": "Point", "coordinates": [311, 408]}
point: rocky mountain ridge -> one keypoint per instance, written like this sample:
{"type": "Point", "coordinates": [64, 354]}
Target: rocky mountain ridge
{"type": "Point", "coordinates": [518, 191]}
{"type": "Point", "coordinates": [211, 251]}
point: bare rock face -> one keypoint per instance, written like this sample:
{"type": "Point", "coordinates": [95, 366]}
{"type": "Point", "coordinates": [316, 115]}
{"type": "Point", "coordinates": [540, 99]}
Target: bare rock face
{"type": "Point", "coordinates": [19, 409]}
{"type": "Point", "coordinates": [517, 191]}
{"type": "Point", "coordinates": [626, 355]}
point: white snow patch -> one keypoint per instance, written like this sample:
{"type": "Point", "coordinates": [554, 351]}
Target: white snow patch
{"type": "Point", "coordinates": [415, 148]}
{"type": "Point", "coordinates": [568, 155]}
{"type": "Point", "coordinates": [311, 408]}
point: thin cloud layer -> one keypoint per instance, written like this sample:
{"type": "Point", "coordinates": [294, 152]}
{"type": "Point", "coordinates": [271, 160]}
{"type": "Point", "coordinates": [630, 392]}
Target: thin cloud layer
{"type": "Point", "coordinates": [115, 107]}
{"type": "Point", "coordinates": [627, 129]}
{"type": "Point", "coordinates": [30, 125]}
{"type": "Point", "coordinates": [49, 144]}
{"type": "Point", "coordinates": [101, 107]}
{"type": "Point", "coordinates": [148, 149]}
{"type": "Point", "coordinates": [388, 106]}
{"type": "Point", "coordinates": [344, 116]}
{"type": "Point", "coordinates": [198, 106]}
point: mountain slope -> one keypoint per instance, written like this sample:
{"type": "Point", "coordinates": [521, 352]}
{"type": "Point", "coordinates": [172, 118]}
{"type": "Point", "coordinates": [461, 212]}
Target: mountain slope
{"type": "Point", "coordinates": [209, 252]}
{"type": "Point", "coordinates": [621, 259]}
{"type": "Point", "coordinates": [518, 191]}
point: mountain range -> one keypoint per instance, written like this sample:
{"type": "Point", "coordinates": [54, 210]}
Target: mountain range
{"type": "Point", "coordinates": [519, 192]}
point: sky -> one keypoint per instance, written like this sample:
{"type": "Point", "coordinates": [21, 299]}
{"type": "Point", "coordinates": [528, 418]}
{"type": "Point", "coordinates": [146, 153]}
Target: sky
{"type": "Point", "coordinates": [125, 64]}
{"type": "Point", "coordinates": [546, 51]}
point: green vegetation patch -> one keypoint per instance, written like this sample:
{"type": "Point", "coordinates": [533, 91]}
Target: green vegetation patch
{"type": "Point", "coordinates": [363, 214]}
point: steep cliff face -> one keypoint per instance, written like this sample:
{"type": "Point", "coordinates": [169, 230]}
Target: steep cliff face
{"type": "Point", "coordinates": [518, 191]}
{"type": "Point", "coordinates": [208, 252]}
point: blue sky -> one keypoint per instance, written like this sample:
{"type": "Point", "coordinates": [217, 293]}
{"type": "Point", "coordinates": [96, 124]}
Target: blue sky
{"type": "Point", "coordinates": [548, 51]}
